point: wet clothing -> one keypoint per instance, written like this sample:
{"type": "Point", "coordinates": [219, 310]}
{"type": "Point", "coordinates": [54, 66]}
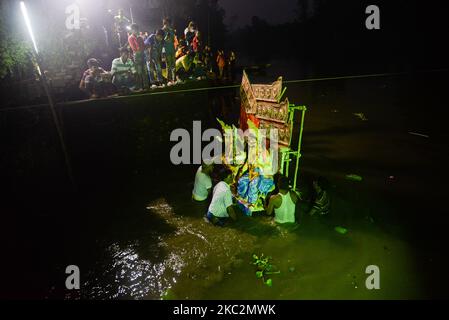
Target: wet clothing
{"type": "Point", "coordinates": [202, 184]}
{"type": "Point", "coordinates": [221, 200]}
{"type": "Point", "coordinates": [286, 212]}
{"type": "Point", "coordinates": [216, 220]}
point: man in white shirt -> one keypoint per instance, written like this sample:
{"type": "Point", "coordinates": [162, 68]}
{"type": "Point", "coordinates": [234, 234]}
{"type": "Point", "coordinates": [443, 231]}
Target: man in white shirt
{"type": "Point", "coordinates": [284, 203]}
{"type": "Point", "coordinates": [123, 71]}
{"type": "Point", "coordinates": [203, 183]}
{"type": "Point", "coordinates": [220, 208]}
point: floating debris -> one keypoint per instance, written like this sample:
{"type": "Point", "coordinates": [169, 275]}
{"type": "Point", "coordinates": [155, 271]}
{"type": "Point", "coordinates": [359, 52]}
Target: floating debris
{"type": "Point", "coordinates": [341, 230]}
{"type": "Point", "coordinates": [391, 179]}
{"type": "Point", "coordinates": [354, 177]}
{"type": "Point", "coordinates": [419, 135]}
{"type": "Point", "coordinates": [361, 116]}
{"type": "Point", "coordinates": [264, 268]}
{"type": "Point", "coordinates": [370, 219]}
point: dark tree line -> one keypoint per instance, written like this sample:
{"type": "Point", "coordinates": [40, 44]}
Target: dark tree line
{"type": "Point", "coordinates": [412, 35]}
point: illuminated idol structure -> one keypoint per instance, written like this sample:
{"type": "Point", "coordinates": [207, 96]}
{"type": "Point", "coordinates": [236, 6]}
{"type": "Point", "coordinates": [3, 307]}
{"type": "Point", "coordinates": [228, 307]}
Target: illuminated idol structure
{"type": "Point", "coordinates": [262, 147]}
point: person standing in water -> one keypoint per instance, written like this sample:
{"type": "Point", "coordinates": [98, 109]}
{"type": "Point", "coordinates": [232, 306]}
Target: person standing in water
{"type": "Point", "coordinates": [221, 207]}
{"type": "Point", "coordinates": [284, 203]}
{"type": "Point", "coordinates": [321, 202]}
{"type": "Point", "coordinates": [203, 183]}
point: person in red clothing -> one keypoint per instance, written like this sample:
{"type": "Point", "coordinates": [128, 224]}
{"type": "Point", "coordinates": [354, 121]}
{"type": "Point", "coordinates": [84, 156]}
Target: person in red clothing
{"type": "Point", "coordinates": [196, 42]}
{"type": "Point", "coordinates": [221, 63]}
{"type": "Point", "coordinates": [137, 45]}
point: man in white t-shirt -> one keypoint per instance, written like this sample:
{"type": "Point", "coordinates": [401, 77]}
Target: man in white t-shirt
{"type": "Point", "coordinates": [220, 208]}
{"type": "Point", "coordinates": [284, 203]}
{"type": "Point", "coordinates": [203, 183]}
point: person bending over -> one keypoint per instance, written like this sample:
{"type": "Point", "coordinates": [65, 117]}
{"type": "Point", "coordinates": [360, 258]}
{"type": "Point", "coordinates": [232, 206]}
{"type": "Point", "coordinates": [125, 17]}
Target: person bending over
{"type": "Point", "coordinates": [284, 203]}
{"type": "Point", "coordinates": [154, 44]}
{"type": "Point", "coordinates": [221, 207]}
{"type": "Point", "coordinates": [203, 182]}
{"type": "Point", "coordinates": [185, 66]}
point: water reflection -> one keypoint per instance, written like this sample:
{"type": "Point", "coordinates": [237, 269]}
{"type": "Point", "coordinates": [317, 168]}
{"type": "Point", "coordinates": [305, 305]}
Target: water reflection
{"type": "Point", "coordinates": [199, 261]}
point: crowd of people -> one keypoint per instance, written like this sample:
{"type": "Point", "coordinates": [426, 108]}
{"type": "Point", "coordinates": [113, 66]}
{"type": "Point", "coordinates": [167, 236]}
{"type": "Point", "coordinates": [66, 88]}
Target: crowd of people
{"type": "Point", "coordinates": [148, 61]}
{"type": "Point", "coordinates": [281, 204]}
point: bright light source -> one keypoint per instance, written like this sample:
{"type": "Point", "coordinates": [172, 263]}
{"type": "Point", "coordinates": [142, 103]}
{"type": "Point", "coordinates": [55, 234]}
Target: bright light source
{"type": "Point", "coordinates": [128, 28]}
{"type": "Point", "coordinates": [28, 24]}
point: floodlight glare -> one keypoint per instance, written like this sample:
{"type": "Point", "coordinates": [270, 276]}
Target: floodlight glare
{"type": "Point", "coordinates": [28, 24]}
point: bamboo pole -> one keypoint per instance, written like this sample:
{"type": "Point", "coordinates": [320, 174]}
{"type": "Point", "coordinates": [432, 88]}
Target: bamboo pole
{"type": "Point", "coordinates": [56, 121]}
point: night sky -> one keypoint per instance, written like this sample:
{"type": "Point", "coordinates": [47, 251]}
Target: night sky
{"type": "Point", "coordinates": [240, 12]}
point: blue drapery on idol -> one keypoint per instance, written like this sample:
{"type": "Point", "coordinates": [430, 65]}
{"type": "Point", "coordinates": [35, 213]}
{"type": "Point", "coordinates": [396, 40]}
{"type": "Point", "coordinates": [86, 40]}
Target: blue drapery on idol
{"type": "Point", "coordinates": [253, 190]}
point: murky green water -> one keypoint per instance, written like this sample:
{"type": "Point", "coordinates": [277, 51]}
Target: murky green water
{"type": "Point", "coordinates": [159, 246]}
{"type": "Point", "coordinates": [195, 260]}
{"type": "Point", "coordinates": [135, 233]}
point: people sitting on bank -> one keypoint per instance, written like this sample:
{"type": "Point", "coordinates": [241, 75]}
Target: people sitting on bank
{"type": "Point", "coordinates": [123, 72]}
{"type": "Point", "coordinates": [321, 200]}
{"type": "Point", "coordinates": [221, 207]}
{"type": "Point", "coordinates": [154, 45]}
{"type": "Point", "coordinates": [137, 45]}
{"type": "Point", "coordinates": [203, 182]}
{"type": "Point", "coordinates": [283, 205]}
{"type": "Point", "coordinates": [157, 59]}
{"type": "Point", "coordinates": [95, 80]}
